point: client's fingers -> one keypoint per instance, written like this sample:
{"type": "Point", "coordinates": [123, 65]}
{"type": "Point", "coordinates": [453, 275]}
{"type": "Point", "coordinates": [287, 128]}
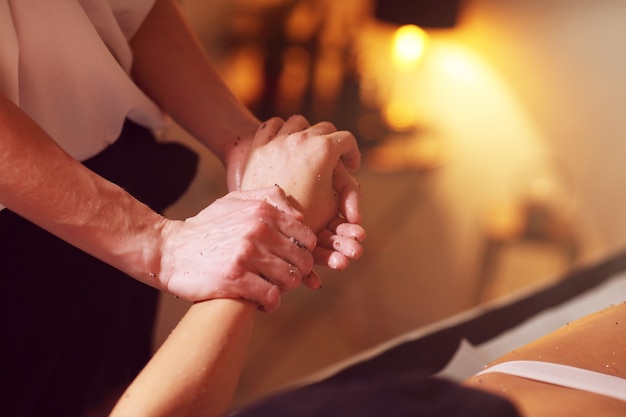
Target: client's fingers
{"type": "Point", "coordinates": [345, 229]}
{"type": "Point", "coordinates": [347, 246]}
{"type": "Point", "coordinates": [349, 194]}
{"type": "Point", "coordinates": [330, 258]}
{"type": "Point", "coordinates": [338, 244]}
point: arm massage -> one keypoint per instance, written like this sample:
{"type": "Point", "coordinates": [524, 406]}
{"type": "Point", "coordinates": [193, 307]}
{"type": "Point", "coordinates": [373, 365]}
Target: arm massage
{"type": "Point", "coordinates": [85, 250]}
{"type": "Point", "coordinates": [196, 371]}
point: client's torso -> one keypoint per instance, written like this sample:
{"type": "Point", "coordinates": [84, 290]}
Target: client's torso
{"type": "Point", "coordinates": [596, 343]}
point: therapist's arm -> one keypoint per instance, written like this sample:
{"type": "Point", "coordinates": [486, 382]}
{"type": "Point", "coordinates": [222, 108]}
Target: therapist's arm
{"type": "Point", "coordinates": [171, 66]}
{"type": "Point", "coordinates": [44, 184]}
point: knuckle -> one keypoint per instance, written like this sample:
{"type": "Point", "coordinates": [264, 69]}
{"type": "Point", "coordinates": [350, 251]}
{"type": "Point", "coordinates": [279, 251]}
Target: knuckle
{"type": "Point", "coordinates": [248, 249]}
{"type": "Point", "coordinates": [298, 118]}
{"type": "Point", "coordinates": [291, 282]}
{"type": "Point", "coordinates": [325, 147]}
{"type": "Point", "coordinates": [277, 191]}
{"type": "Point", "coordinates": [305, 261]}
{"type": "Point", "coordinates": [242, 253]}
{"type": "Point", "coordinates": [308, 265]}
{"type": "Point", "coordinates": [262, 208]}
{"type": "Point", "coordinates": [327, 126]}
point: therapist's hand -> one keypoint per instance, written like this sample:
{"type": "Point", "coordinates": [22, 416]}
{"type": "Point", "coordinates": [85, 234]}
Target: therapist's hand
{"type": "Point", "coordinates": [310, 163]}
{"type": "Point", "coordinates": [248, 244]}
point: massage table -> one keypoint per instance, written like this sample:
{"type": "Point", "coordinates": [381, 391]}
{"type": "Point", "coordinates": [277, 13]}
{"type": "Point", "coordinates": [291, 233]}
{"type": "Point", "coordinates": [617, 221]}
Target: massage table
{"type": "Point", "coordinates": [460, 346]}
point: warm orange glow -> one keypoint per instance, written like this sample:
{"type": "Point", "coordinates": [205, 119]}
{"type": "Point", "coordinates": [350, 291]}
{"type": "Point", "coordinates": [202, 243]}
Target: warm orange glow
{"type": "Point", "coordinates": [328, 75]}
{"type": "Point", "coordinates": [400, 114]}
{"type": "Point", "coordinates": [243, 73]}
{"type": "Point", "coordinates": [504, 221]}
{"type": "Point", "coordinates": [302, 23]}
{"type": "Point", "coordinates": [409, 43]}
{"type": "Point", "coordinates": [457, 64]}
{"type": "Point", "coordinates": [293, 80]}
{"type": "Point", "coordinates": [420, 153]}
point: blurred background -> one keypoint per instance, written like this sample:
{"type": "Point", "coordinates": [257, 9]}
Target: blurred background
{"type": "Point", "coordinates": [494, 146]}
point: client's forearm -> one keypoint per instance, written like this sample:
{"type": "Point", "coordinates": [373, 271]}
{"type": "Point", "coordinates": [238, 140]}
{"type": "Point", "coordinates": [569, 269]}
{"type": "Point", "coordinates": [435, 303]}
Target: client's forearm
{"type": "Point", "coordinates": [195, 372]}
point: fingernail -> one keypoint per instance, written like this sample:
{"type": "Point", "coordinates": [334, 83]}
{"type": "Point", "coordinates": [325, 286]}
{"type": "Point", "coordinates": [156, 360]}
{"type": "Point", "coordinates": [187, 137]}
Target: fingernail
{"type": "Point", "coordinates": [313, 281]}
{"type": "Point", "coordinates": [297, 243]}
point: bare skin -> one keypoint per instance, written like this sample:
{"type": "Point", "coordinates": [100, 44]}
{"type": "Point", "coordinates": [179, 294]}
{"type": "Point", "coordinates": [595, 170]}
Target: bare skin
{"type": "Point", "coordinates": [44, 184]}
{"type": "Point", "coordinates": [223, 251]}
{"type": "Point", "coordinates": [195, 372]}
{"type": "Point", "coordinates": [165, 49]}
{"type": "Point", "coordinates": [596, 342]}
{"type": "Point", "coordinates": [41, 182]}
{"type": "Point", "coordinates": [277, 159]}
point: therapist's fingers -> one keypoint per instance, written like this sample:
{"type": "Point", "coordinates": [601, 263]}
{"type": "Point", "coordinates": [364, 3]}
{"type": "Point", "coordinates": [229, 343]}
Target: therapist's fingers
{"type": "Point", "coordinates": [295, 123]}
{"type": "Point", "coordinates": [312, 280]}
{"type": "Point", "coordinates": [267, 131]}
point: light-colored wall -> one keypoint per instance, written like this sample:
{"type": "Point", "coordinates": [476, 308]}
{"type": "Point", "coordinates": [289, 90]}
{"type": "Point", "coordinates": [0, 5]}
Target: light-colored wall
{"type": "Point", "coordinates": [565, 61]}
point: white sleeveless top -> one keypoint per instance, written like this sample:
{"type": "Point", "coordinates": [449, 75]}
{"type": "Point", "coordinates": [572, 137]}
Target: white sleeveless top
{"type": "Point", "coordinates": [66, 64]}
{"type": "Point", "coordinates": [565, 376]}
